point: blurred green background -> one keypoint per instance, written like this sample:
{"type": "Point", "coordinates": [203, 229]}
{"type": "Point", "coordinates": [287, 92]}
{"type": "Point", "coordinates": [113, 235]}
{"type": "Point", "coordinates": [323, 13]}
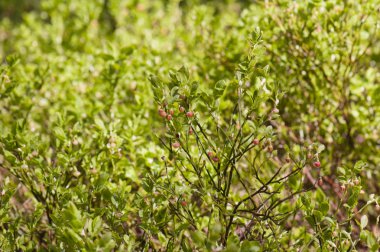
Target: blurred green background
{"type": "Point", "coordinates": [13, 9]}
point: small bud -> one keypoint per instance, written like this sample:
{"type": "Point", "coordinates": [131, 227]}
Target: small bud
{"type": "Point", "coordinates": [309, 155]}
{"type": "Point", "coordinates": [171, 111]}
{"type": "Point", "coordinates": [169, 117]}
{"type": "Point", "coordinates": [176, 145]}
{"type": "Point", "coordinates": [181, 109]}
{"type": "Point", "coordinates": [287, 159]}
{"type": "Point", "coordinates": [215, 159]}
{"type": "Point", "coordinates": [162, 113]}
{"type": "Point", "coordinates": [256, 141]}
{"type": "Point", "coordinates": [210, 154]}
{"type": "Point", "coordinates": [191, 131]}
{"type": "Point", "coordinates": [356, 181]}
{"type": "Point", "coordinates": [189, 114]}
{"type": "Point", "coordinates": [317, 164]}
{"type": "Point", "coordinates": [183, 203]}
{"type": "Point", "coordinates": [275, 110]}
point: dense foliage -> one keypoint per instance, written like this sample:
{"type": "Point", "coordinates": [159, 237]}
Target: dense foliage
{"type": "Point", "coordinates": [193, 125]}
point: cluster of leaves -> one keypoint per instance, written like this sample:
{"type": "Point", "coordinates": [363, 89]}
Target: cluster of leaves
{"type": "Point", "coordinates": [337, 45]}
{"type": "Point", "coordinates": [254, 143]}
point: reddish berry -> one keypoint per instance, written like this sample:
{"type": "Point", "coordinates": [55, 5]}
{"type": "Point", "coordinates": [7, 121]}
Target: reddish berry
{"type": "Point", "coordinates": [256, 141]}
{"type": "Point", "coordinates": [189, 114]}
{"type": "Point", "coordinates": [171, 111]}
{"type": "Point", "coordinates": [191, 131]}
{"type": "Point", "coordinates": [317, 164]}
{"type": "Point", "coordinates": [183, 203]}
{"type": "Point", "coordinates": [169, 117]}
{"type": "Point", "coordinates": [162, 113]}
{"type": "Point", "coordinates": [181, 109]}
{"type": "Point", "coordinates": [215, 159]}
{"type": "Point", "coordinates": [210, 154]}
{"type": "Point", "coordinates": [176, 145]}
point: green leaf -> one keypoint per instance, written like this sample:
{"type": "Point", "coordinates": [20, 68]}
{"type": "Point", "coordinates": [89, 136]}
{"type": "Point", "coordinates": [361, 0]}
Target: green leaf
{"type": "Point", "coordinates": [126, 51]}
{"type": "Point", "coordinates": [353, 199]}
{"type": "Point", "coordinates": [9, 156]}
{"type": "Point", "coordinates": [324, 207]}
{"type": "Point", "coordinates": [250, 246]}
{"type": "Point", "coordinates": [359, 166]}
{"type": "Point", "coordinates": [75, 238]}
{"type": "Point", "coordinates": [306, 200]}
{"type": "Point", "coordinates": [100, 124]}
{"type": "Point", "coordinates": [219, 88]}
{"type": "Point", "coordinates": [59, 133]}
{"type": "Point", "coordinates": [216, 230]}
{"type": "Point", "coordinates": [199, 238]}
